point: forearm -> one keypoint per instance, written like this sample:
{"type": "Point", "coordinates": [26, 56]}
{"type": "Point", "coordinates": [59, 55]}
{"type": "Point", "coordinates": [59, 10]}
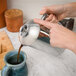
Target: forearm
{"type": "Point", "coordinates": [72, 43]}
{"type": "Point", "coordinates": [71, 7]}
{"type": "Point", "coordinates": [73, 48]}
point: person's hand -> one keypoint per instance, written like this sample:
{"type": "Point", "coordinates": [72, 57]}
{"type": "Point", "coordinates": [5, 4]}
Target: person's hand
{"type": "Point", "coordinates": [55, 12]}
{"type": "Point", "coordinates": [59, 12]}
{"type": "Point", "coordinates": [59, 36]}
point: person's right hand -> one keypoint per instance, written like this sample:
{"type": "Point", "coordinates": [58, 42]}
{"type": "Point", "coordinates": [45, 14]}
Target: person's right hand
{"type": "Point", "coordinates": [59, 36]}
{"type": "Point", "coordinates": [55, 12]}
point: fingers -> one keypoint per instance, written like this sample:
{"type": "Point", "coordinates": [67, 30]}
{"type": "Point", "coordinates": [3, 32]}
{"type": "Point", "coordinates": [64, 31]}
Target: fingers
{"type": "Point", "coordinates": [49, 18]}
{"type": "Point", "coordinates": [45, 10]}
{"type": "Point", "coordinates": [54, 20]}
{"type": "Point", "coordinates": [60, 17]}
{"type": "Point", "coordinates": [45, 23]}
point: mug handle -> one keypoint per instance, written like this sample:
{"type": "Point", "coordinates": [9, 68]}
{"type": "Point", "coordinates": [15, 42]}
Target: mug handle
{"type": "Point", "coordinates": [5, 70]}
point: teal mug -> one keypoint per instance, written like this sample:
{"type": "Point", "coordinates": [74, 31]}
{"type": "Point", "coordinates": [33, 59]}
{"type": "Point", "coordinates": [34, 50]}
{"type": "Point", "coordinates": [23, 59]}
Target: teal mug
{"type": "Point", "coordinates": [12, 68]}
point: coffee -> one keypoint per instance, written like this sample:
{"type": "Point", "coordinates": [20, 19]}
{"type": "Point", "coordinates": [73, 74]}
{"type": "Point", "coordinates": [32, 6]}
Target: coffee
{"type": "Point", "coordinates": [13, 59]}
{"type": "Point", "coordinates": [17, 58]}
{"type": "Point", "coordinates": [19, 53]}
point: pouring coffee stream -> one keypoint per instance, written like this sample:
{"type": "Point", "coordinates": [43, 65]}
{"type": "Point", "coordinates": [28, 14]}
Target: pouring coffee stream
{"type": "Point", "coordinates": [19, 53]}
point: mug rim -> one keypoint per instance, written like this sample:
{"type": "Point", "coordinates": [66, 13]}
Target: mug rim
{"type": "Point", "coordinates": [15, 52]}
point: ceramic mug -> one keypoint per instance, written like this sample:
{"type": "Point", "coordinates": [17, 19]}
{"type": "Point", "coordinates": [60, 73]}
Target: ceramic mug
{"type": "Point", "coordinates": [12, 68]}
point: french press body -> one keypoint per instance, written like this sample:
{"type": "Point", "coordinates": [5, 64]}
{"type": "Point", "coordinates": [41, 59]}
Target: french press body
{"type": "Point", "coordinates": [30, 31]}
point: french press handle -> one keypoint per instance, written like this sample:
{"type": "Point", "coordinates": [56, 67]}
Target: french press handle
{"type": "Point", "coordinates": [41, 30]}
{"type": "Point", "coordinates": [44, 16]}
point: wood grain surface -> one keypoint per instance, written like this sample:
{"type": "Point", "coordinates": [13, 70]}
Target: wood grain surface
{"type": "Point", "coordinates": [3, 8]}
{"type": "Point", "coordinates": [3, 5]}
{"type": "Point", "coordinates": [5, 46]}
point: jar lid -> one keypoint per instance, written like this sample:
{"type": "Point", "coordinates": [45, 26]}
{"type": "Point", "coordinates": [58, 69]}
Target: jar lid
{"type": "Point", "coordinates": [11, 13]}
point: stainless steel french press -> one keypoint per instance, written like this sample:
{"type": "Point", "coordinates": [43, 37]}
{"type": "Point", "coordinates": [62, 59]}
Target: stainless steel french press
{"type": "Point", "coordinates": [29, 32]}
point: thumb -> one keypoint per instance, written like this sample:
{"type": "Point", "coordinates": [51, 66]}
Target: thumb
{"type": "Point", "coordinates": [44, 23]}
{"type": "Point", "coordinates": [45, 10]}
